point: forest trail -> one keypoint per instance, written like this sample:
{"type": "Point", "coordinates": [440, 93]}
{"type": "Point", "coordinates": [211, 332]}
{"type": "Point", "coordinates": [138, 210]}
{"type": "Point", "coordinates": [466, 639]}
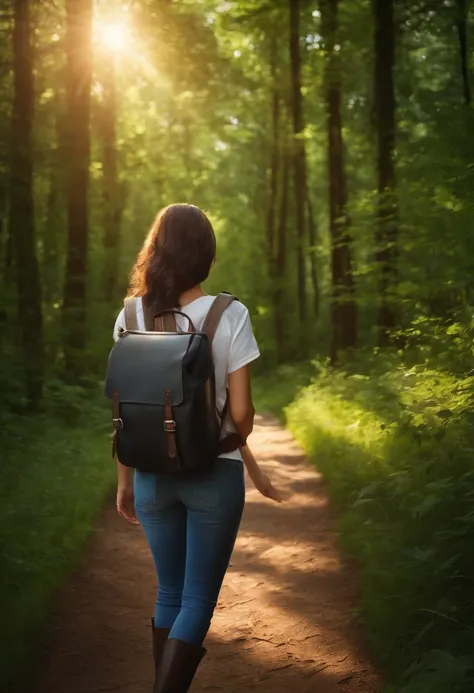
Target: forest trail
{"type": "Point", "coordinates": [286, 619]}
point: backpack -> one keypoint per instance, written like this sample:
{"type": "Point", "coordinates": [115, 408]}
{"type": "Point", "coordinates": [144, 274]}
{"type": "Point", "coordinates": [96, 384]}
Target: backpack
{"type": "Point", "coordinates": [162, 386]}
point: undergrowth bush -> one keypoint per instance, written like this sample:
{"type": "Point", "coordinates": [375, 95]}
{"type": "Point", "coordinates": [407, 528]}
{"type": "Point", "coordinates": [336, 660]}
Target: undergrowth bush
{"type": "Point", "coordinates": [56, 470]}
{"type": "Point", "coordinates": [396, 445]}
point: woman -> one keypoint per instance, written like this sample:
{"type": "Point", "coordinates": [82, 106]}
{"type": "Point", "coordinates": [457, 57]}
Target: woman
{"type": "Point", "coordinates": [191, 522]}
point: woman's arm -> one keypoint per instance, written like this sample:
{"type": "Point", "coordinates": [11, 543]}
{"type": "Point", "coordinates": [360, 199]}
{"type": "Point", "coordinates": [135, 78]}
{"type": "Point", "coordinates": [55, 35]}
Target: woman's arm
{"type": "Point", "coordinates": [260, 480]}
{"type": "Point", "coordinates": [124, 475]}
{"type": "Point", "coordinates": [241, 407]}
{"type": "Point", "coordinates": [125, 495]}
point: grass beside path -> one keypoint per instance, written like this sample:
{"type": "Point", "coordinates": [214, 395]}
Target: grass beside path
{"type": "Point", "coordinates": [54, 480]}
{"type": "Point", "coordinates": [395, 444]}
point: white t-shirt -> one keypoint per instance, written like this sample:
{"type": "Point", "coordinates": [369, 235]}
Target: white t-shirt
{"type": "Point", "coordinates": [234, 344]}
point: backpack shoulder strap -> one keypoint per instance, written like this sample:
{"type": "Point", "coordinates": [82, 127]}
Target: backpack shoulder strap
{"type": "Point", "coordinates": [221, 302]}
{"type": "Point", "coordinates": [130, 313]}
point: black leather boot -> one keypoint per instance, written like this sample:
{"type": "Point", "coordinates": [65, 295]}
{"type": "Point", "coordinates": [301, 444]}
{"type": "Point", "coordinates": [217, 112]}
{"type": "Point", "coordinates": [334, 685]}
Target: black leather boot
{"type": "Point", "coordinates": [178, 664]}
{"type": "Point", "coordinates": [160, 636]}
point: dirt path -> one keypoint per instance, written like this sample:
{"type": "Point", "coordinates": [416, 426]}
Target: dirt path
{"type": "Point", "coordinates": [286, 620]}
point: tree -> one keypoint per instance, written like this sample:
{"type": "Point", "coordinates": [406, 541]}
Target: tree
{"type": "Point", "coordinates": [280, 259]}
{"type": "Point", "coordinates": [22, 218]}
{"type": "Point", "coordinates": [277, 212]}
{"type": "Point", "coordinates": [462, 25]}
{"type": "Point", "coordinates": [112, 197]}
{"type": "Point", "coordinates": [79, 75]}
{"type": "Point", "coordinates": [387, 210]}
{"type": "Point", "coordinates": [299, 165]}
{"type": "Point", "coordinates": [313, 237]}
{"type": "Point", "coordinates": [274, 158]}
{"type": "Point", "coordinates": [54, 210]}
{"type": "Point", "coordinates": [343, 305]}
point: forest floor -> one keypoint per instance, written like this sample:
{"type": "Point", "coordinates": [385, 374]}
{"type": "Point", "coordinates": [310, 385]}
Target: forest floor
{"type": "Point", "coordinates": [286, 618]}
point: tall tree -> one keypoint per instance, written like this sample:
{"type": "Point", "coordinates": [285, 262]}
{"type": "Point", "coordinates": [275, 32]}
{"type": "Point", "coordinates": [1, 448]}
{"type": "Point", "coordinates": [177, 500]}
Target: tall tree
{"type": "Point", "coordinates": [22, 218]}
{"type": "Point", "coordinates": [79, 75]}
{"type": "Point", "coordinates": [6, 70]}
{"type": "Point", "coordinates": [312, 237]}
{"type": "Point", "coordinates": [112, 198]}
{"type": "Point", "coordinates": [280, 259]}
{"type": "Point", "coordinates": [462, 23]}
{"type": "Point", "coordinates": [299, 165]}
{"type": "Point", "coordinates": [54, 212]}
{"type": "Point", "coordinates": [387, 212]}
{"type": "Point", "coordinates": [343, 308]}
{"type": "Point", "coordinates": [5, 240]}
{"type": "Point", "coordinates": [274, 157]}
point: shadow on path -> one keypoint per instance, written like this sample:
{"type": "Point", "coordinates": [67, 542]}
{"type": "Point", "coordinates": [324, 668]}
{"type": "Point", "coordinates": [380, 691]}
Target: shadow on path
{"type": "Point", "coordinates": [285, 621]}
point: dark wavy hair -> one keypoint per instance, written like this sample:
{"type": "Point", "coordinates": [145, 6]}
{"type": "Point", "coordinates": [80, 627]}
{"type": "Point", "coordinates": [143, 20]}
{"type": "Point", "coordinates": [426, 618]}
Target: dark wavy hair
{"type": "Point", "coordinates": [177, 254]}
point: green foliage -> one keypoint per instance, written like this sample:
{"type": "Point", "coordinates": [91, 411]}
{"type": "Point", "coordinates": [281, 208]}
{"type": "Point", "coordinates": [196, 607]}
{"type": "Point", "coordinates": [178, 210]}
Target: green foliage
{"type": "Point", "coordinates": [396, 444]}
{"type": "Point", "coordinates": [273, 394]}
{"type": "Point", "coordinates": [439, 671]}
{"type": "Point", "coordinates": [54, 480]}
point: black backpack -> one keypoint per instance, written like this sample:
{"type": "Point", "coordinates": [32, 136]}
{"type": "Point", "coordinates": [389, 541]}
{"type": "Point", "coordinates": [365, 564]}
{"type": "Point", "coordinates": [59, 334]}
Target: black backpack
{"type": "Point", "coordinates": [162, 387]}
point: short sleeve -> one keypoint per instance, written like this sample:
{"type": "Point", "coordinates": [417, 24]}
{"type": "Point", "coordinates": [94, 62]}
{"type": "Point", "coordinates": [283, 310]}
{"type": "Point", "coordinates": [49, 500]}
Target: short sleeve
{"type": "Point", "coordinates": [243, 346]}
{"type": "Point", "coordinates": [119, 324]}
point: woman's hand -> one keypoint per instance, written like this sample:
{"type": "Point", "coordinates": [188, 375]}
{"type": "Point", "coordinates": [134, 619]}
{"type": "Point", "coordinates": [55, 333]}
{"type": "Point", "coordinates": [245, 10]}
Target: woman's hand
{"type": "Point", "coordinates": [125, 504]}
{"type": "Point", "coordinates": [260, 480]}
{"type": "Point", "coordinates": [264, 485]}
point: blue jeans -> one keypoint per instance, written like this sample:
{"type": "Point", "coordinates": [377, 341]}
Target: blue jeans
{"type": "Point", "coordinates": [191, 523]}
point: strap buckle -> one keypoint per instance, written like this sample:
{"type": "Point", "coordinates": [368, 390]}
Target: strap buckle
{"type": "Point", "coordinates": [170, 426]}
{"type": "Point", "coordinates": [118, 424]}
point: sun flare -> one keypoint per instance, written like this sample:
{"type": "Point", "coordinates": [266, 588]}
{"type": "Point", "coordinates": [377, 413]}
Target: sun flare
{"type": "Point", "coordinates": [115, 36]}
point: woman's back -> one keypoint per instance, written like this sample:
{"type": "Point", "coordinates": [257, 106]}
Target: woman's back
{"type": "Point", "coordinates": [233, 347]}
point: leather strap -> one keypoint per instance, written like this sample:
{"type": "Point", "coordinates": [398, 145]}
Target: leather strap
{"type": "Point", "coordinates": [149, 320]}
{"type": "Point", "coordinates": [165, 323]}
{"type": "Point", "coordinates": [170, 427]}
{"type": "Point", "coordinates": [233, 441]}
{"type": "Point", "coordinates": [219, 305]}
{"type": "Point", "coordinates": [161, 320]}
{"type": "Point", "coordinates": [130, 313]}
{"type": "Point", "coordinates": [230, 443]}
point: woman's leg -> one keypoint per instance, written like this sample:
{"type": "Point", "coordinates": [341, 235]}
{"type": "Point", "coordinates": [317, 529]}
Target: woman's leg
{"type": "Point", "coordinates": [214, 504]}
{"type": "Point", "coordinates": [163, 518]}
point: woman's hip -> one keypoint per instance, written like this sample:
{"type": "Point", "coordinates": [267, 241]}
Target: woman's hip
{"type": "Point", "coordinates": [220, 491]}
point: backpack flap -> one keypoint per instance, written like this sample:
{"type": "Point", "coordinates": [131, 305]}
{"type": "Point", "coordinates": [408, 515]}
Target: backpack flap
{"type": "Point", "coordinates": [139, 376]}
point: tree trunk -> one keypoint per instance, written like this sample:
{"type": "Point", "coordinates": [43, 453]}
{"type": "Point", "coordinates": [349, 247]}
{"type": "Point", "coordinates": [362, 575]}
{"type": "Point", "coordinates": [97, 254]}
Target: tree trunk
{"type": "Point", "coordinates": [22, 219]}
{"type": "Point", "coordinates": [280, 260]}
{"type": "Point", "coordinates": [387, 222]}
{"type": "Point", "coordinates": [53, 223]}
{"type": "Point", "coordinates": [314, 265]}
{"type": "Point", "coordinates": [111, 191]}
{"type": "Point", "coordinates": [343, 308]}
{"type": "Point", "coordinates": [5, 262]}
{"type": "Point", "coordinates": [8, 263]}
{"type": "Point", "coordinates": [298, 151]}
{"type": "Point", "coordinates": [50, 259]}
{"type": "Point", "coordinates": [79, 75]}
{"type": "Point", "coordinates": [274, 163]}
{"type": "Point", "coordinates": [461, 23]}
